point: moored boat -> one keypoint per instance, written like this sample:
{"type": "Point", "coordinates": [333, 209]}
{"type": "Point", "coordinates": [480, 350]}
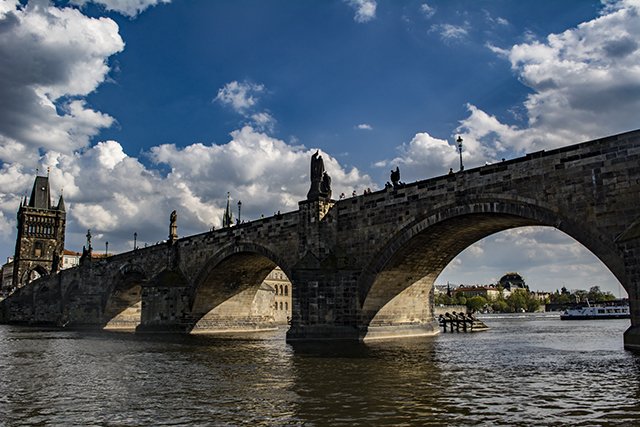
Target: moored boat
{"type": "Point", "coordinates": [597, 312]}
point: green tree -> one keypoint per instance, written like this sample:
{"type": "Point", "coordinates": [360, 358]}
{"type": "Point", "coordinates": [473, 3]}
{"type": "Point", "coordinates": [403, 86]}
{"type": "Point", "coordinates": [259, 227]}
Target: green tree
{"type": "Point", "coordinates": [442, 299]}
{"type": "Point", "coordinates": [595, 294]}
{"type": "Point", "coordinates": [517, 301]}
{"type": "Point", "coordinates": [500, 306]}
{"type": "Point", "coordinates": [580, 295]}
{"type": "Point", "coordinates": [608, 296]}
{"type": "Point", "coordinates": [476, 303]}
{"type": "Point", "coordinates": [561, 298]}
{"type": "Point", "coordinates": [533, 303]}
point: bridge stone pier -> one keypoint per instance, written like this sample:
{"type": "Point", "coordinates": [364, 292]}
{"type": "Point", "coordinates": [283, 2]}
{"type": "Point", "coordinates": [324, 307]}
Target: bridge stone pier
{"type": "Point", "coordinates": [363, 267]}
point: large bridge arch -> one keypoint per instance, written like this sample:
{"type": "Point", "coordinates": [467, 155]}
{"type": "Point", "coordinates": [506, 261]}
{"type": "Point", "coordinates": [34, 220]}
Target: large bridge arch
{"type": "Point", "coordinates": [227, 290]}
{"type": "Point", "coordinates": [412, 259]}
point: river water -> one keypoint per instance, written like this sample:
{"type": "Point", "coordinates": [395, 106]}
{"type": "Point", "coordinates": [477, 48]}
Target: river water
{"type": "Point", "coordinates": [525, 370]}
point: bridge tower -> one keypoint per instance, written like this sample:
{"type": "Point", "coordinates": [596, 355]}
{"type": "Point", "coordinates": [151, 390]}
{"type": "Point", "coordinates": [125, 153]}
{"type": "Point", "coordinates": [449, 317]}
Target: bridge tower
{"type": "Point", "coordinates": [40, 240]}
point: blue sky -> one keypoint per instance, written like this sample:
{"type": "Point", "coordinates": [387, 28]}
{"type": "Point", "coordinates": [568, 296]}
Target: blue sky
{"type": "Point", "coordinates": [323, 74]}
{"type": "Point", "coordinates": [141, 107]}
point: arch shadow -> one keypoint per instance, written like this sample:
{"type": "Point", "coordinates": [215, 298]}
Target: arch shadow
{"type": "Point", "coordinates": [229, 294]}
{"type": "Point", "coordinates": [122, 304]}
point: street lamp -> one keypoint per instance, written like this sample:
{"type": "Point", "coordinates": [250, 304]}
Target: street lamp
{"type": "Point", "coordinates": [135, 239]}
{"type": "Point", "coordinates": [239, 208]}
{"type": "Point", "coordinates": [459, 141]}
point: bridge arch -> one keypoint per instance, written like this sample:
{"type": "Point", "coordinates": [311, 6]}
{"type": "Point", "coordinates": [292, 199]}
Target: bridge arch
{"type": "Point", "coordinates": [413, 258]}
{"type": "Point", "coordinates": [227, 290]}
{"type": "Point", "coordinates": [34, 273]}
{"type": "Point", "coordinates": [123, 302]}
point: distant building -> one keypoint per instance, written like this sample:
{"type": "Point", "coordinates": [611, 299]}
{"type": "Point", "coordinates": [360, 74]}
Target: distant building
{"type": "Point", "coordinates": [6, 277]}
{"type": "Point", "coordinates": [512, 281]}
{"type": "Point", "coordinates": [543, 297]}
{"type": "Point", "coordinates": [441, 289]}
{"type": "Point", "coordinates": [70, 259]}
{"type": "Point", "coordinates": [40, 240]}
{"type": "Point", "coordinates": [280, 285]}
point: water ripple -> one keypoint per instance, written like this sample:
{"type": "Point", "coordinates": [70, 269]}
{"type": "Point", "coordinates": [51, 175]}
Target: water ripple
{"type": "Point", "coordinates": [523, 371]}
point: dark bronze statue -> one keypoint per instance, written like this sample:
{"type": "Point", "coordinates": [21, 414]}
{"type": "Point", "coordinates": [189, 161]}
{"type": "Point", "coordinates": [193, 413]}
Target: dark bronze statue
{"type": "Point", "coordinates": [317, 166]}
{"type": "Point", "coordinates": [325, 187]}
{"type": "Point", "coordinates": [320, 180]}
{"type": "Point", "coordinates": [173, 226]}
{"type": "Point", "coordinates": [395, 178]}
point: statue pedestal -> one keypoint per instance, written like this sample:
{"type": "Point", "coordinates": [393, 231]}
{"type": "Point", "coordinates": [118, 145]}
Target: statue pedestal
{"type": "Point", "coordinates": [315, 210]}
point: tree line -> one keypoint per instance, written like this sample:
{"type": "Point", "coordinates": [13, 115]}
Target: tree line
{"type": "Point", "coordinates": [593, 295]}
{"type": "Point", "coordinates": [521, 300]}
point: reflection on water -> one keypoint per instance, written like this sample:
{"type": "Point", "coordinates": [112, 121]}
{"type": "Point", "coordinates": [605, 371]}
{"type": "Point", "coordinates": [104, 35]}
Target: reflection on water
{"type": "Point", "coordinates": [525, 370]}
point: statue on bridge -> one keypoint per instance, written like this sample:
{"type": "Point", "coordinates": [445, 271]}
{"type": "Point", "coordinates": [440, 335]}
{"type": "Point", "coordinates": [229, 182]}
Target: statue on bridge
{"type": "Point", "coordinates": [395, 178]}
{"type": "Point", "coordinates": [87, 251]}
{"type": "Point", "coordinates": [173, 227]}
{"type": "Point", "coordinates": [320, 179]}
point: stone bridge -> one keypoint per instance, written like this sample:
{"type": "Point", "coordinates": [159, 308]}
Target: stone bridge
{"type": "Point", "coordinates": [363, 267]}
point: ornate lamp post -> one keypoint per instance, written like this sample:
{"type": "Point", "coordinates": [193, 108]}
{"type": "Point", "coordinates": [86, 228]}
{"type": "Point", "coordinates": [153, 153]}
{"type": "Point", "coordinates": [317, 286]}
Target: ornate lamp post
{"type": "Point", "coordinates": [239, 208]}
{"type": "Point", "coordinates": [459, 141]}
{"type": "Point", "coordinates": [135, 239]}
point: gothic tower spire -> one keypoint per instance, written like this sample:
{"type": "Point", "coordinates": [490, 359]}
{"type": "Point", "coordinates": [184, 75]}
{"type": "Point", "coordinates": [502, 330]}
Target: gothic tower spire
{"type": "Point", "coordinates": [40, 239]}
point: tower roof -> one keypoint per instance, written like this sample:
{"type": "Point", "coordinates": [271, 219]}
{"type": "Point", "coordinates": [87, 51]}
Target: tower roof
{"type": "Point", "coordinates": [60, 206]}
{"type": "Point", "coordinates": [40, 197]}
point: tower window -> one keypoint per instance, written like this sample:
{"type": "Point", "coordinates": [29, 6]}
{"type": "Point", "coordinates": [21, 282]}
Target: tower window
{"type": "Point", "coordinates": [37, 249]}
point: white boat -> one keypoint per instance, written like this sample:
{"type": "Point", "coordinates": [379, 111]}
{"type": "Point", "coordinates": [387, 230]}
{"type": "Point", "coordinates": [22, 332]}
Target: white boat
{"type": "Point", "coordinates": [597, 312]}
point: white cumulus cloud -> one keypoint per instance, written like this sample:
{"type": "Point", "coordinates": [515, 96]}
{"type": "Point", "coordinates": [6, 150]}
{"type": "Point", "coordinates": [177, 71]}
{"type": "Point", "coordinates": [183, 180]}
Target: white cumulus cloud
{"type": "Point", "coordinates": [115, 195]}
{"type": "Point", "coordinates": [49, 59]}
{"type": "Point", "coordinates": [422, 157]}
{"type": "Point", "coordinates": [129, 8]}
{"type": "Point", "coordinates": [585, 84]}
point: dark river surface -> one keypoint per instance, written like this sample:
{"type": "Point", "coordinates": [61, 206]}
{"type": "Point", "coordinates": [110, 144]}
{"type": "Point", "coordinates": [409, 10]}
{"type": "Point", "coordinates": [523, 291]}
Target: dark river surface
{"type": "Point", "coordinates": [526, 370]}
